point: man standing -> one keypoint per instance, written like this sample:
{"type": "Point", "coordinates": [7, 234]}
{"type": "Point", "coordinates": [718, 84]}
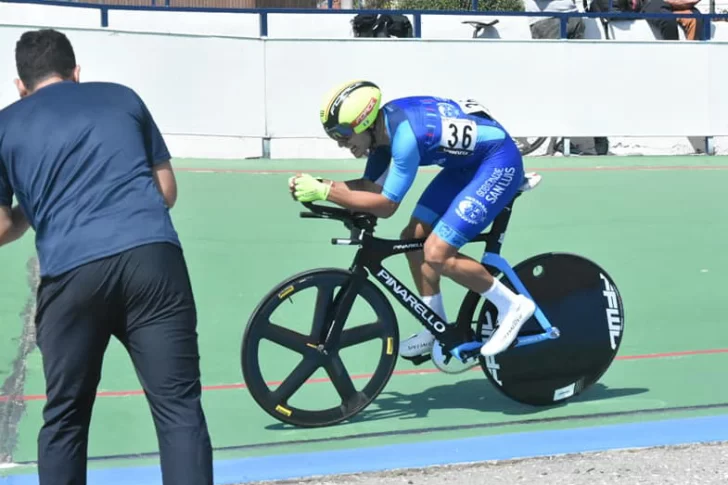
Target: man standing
{"type": "Point", "coordinates": [92, 176]}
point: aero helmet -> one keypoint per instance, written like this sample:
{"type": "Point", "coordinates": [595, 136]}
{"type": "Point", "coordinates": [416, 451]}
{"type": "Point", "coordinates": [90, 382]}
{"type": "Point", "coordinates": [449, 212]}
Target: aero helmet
{"type": "Point", "coordinates": [350, 108]}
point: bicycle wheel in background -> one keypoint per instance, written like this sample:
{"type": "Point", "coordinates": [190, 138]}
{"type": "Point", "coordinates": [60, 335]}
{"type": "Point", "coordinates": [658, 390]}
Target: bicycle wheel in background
{"type": "Point", "coordinates": [529, 145]}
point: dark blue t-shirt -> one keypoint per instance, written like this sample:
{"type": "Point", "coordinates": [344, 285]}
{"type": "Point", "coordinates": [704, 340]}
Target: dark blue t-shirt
{"type": "Point", "coordinates": [78, 158]}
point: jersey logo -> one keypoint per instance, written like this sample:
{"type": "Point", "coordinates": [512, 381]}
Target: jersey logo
{"type": "Point", "coordinates": [447, 110]}
{"type": "Point", "coordinates": [471, 210]}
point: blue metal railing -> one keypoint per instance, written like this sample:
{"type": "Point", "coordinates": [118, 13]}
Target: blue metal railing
{"type": "Point", "coordinates": [416, 14]}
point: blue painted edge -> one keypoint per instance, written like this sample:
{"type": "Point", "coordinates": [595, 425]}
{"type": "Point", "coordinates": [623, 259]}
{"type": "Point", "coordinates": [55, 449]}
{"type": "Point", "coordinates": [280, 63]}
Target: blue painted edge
{"type": "Point", "coordinates": [272, 11]}
{"type": "Point", "coordinates": [431, 453]}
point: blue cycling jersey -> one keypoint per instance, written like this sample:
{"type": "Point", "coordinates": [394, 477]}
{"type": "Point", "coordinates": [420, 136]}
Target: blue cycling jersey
{"type": "Point", "coordinates": [429, 130]}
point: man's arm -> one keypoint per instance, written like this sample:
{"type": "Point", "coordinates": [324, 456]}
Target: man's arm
{"type": "Point", "coordinates": [159, 157]}
{"type": "Point", "coordinates": [166, 182]}
{"type": "Point", "coordinates": [13, 224]}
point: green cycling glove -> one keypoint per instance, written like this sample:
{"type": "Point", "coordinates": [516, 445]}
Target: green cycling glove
{"type": "Point", "coordinates": [309, 189]}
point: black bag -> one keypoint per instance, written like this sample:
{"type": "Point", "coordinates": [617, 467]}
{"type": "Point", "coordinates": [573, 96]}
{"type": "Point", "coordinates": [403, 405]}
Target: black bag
{"type": "Point", "coordinates": [372, 25]}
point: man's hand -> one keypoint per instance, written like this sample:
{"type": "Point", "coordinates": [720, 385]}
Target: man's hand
{"type": "Point", "coordinates": [13, 224]}
{"type": "Point", "coordinates": [306, 188]}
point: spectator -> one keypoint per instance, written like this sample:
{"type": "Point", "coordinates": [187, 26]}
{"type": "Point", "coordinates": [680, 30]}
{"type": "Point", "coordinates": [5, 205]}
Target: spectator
{"type": "Point", "coordinates": [92, 175]}
{"type": "Point", "coordinates": [668, 27]}
{"type": "Point", "coordinates": [550, 27]}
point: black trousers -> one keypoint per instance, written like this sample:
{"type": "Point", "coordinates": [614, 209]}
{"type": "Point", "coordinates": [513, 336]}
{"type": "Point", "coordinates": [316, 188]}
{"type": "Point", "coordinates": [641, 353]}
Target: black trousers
{"type": "Point", "coordinates": [143, 297]}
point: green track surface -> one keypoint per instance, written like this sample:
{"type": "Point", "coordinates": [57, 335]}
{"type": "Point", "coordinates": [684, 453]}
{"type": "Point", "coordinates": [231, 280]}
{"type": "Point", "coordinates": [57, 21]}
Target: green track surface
{"type": "Point", "coordinates": [657, 227]}
{"type": "Point", "coordinates": [14, 295]}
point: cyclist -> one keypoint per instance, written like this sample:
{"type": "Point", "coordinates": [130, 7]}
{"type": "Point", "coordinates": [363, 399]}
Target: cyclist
{"type": "Point", "coordinates": [482, 170]}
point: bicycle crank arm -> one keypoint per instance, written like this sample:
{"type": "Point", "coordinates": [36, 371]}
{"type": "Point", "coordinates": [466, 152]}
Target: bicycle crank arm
{"type": "Point", "coordinates": [550, 334]}
{"type": "Point", "coordinates": [466, 351]}
{"type": "Point", "coordinates": [460, 359]}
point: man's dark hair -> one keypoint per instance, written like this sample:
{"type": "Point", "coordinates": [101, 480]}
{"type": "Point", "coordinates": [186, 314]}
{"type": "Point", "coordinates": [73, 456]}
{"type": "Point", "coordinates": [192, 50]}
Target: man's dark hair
{"type": "Point", "coordinates": [40, 54]}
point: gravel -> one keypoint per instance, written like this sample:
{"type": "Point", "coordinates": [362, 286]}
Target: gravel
{"type": "Point", "coordinates": [696, 464]}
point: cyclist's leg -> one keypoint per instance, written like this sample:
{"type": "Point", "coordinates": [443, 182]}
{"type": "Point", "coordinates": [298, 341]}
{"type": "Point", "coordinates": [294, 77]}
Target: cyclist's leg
{"type": "Point", "coordinates": [494, 185]}
{"type": "Point", "coordinates": [432, 204]}
{"type": "Point", "coordinates": [417, 229]}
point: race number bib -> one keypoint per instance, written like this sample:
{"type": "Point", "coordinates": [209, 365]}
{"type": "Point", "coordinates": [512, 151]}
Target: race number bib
{"type": "Point", "coordinates": [458, 136]}
{"type": "Point", "coordinates": [471, 106]}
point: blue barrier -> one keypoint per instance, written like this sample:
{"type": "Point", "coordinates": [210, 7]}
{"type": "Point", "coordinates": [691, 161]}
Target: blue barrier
{"type": "Point", "coordinates": [416, 14]}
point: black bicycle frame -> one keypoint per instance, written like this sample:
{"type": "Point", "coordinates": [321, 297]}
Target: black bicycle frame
{"type": "Point", "coordinates": [368, 259]}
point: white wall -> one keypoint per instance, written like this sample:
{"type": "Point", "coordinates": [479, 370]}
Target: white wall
{"type": "Point", "coordinates": [49, 15]}
{"type": "Point", "coordinates": [206, 93]}
{"type": "Point", "coordinates": [207, 23]}
{"type": "Point", "coordinates": [219, 96]}
{"type": "Point", "coordinates": [528, 105]}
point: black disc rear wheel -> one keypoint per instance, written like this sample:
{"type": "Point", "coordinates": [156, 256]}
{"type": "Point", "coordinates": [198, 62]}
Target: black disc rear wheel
{"type": "Point", "coordinates": [304, 336]}
{"type": "Point", "coordinates": [581, 300]}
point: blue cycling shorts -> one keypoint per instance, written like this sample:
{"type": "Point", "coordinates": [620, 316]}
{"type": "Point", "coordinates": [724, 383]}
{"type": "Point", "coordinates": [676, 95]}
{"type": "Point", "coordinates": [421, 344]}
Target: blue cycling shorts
{"type": "Point", "coordinates": [460, 203]}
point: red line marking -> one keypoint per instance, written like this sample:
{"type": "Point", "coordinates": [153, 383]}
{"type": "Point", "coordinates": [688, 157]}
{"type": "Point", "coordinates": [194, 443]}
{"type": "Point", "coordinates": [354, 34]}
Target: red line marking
{"type": "Point", "coordinates": [632, 168]}
{"type": "Point", "coordinates": [227, 387]}
{"type": "Point", "coordinates": [673, 354]}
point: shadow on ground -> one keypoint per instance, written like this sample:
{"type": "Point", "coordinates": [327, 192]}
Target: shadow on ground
{"type": "Point", "coordinates": [470, 395]}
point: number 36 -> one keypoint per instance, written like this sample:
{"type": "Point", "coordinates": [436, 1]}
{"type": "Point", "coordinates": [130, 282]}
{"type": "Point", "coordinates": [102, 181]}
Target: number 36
{"type": "Point", "coordinates": [458, 134]}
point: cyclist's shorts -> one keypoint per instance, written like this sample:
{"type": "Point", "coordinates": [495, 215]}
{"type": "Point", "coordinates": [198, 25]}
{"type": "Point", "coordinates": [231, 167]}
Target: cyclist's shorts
{"type": "Point", "coordinates": [460, 203]}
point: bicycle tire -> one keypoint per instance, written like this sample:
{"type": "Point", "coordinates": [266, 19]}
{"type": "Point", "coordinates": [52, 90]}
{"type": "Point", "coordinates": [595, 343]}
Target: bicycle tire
{"type": "Point", "coordinates": [354, 403]}
{"type": "Point", "coordinates": [582, 301]}
{"type": "Point", "coordinates": [528, 148]}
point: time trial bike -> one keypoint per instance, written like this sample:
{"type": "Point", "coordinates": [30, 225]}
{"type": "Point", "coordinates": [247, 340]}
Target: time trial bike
{"type": "Point", "coordinates": [563, 349]}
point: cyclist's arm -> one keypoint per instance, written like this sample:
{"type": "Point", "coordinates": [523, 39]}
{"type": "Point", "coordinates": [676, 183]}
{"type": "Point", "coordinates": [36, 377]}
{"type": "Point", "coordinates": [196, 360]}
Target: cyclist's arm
{"type": "Point", "coordinates": [397, 180]}
{"type": "Point", "coordinates": [375, 172]}
{"type": "Point", "coordinates": [363, 185]}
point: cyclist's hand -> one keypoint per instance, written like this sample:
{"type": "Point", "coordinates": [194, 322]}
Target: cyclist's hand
{"type": "Point", "coordinates": [292, 186]}
{"type": "Point", "coordinates": [309, 189]}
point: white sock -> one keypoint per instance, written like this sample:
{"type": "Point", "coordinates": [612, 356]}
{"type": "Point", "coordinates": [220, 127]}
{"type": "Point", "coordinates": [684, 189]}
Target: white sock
{"type": "Point", "coordinates": [435, 304]}
{"type": "Point", "coordinates": [500, 295]}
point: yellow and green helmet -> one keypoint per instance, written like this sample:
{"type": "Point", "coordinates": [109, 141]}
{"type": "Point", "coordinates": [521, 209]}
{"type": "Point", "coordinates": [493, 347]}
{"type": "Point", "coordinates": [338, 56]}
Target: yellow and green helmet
{"type": "Point", "coordinates": [350, 108]}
